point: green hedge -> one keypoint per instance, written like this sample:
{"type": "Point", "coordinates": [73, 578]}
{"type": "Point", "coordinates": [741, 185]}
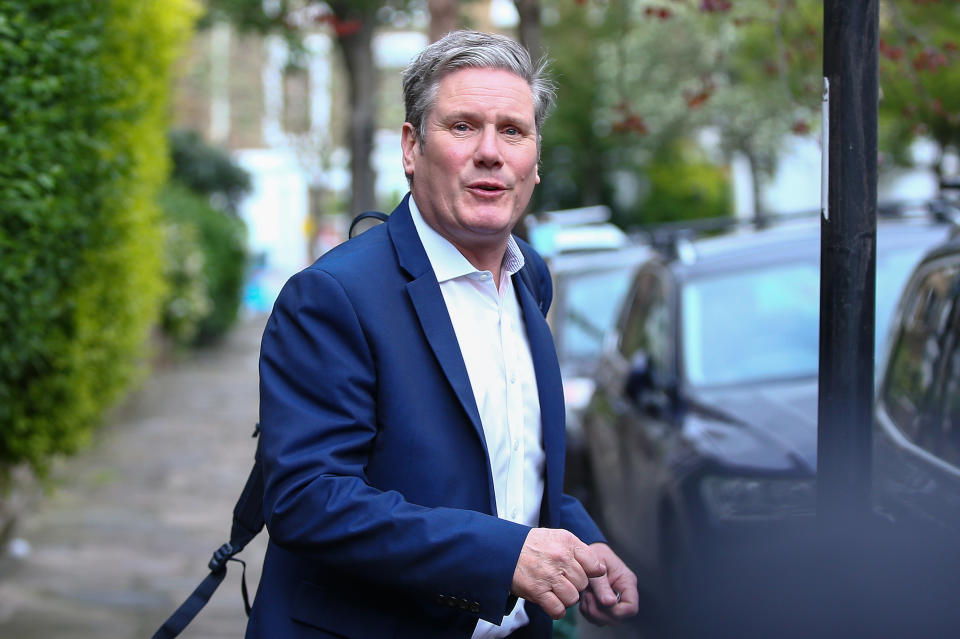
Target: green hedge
{"type": "Point", "coordinates": [187, 301]}
{"type": "Point", "coordinates": [208, 170]}
{"type": "Point", "coordinates": [206, 266]}
{"type": "Point", "coordinates": [83, 117]}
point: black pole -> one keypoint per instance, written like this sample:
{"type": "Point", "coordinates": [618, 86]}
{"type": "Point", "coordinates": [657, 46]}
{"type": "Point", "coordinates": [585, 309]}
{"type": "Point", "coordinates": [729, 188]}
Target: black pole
{"type": "Point", "coordinates": [848, 259]}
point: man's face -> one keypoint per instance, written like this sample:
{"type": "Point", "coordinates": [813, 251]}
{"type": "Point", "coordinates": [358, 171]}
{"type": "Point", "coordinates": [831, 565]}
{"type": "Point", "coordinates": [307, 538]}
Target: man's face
{"type": "Point", "coordinates": [476, 171]}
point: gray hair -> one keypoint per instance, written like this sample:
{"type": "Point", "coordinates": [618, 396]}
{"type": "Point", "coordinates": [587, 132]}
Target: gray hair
{"type": "Point", "coordinates": [465, 50]}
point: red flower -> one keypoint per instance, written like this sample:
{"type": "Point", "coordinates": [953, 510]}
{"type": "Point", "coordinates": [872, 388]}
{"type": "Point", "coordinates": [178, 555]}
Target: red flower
{"type": "Point", "coordinates": [631, 123]}
{"type": "Point", "coordinates": [660, 13]}
{"type": "Point", "coordinates": [889, 51]}
{"type": "Point", "coordinates": [929, 60]}
{"type": "Point", "coordinates": [715, 6]}
{"type": "Point", "coordinates": [341, 28]}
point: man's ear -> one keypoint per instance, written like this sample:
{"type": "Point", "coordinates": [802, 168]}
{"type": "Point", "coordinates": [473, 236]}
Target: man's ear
{"type": "Point", "coordinates": [408, 144]}
{"type": "Point", "coordinates": [536, 169]}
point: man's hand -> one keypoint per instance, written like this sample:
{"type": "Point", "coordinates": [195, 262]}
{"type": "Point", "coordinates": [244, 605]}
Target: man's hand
{"type": "Point", "coordinates": [554, 567]}
{"type": "Point", "coordinates": [613, 596]}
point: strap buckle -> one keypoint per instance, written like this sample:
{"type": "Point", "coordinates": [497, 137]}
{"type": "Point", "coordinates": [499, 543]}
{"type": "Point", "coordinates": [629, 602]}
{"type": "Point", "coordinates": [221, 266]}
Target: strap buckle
{"type": "Point", "coordinates": [221, 556]}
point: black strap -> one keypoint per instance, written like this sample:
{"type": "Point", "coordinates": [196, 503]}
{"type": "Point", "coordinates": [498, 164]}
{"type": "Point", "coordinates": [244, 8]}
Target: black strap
{"type": "Point", "coordinates": [247, 524]}
{"type": "Point", "coordinates": [366, 215]}
{"type": "Point", "coordinates": [179, 620]}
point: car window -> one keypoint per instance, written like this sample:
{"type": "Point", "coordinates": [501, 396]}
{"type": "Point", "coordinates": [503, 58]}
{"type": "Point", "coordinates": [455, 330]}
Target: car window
{"type": "Point", "coordinates": [942, 435]}
{"type": "Point", "coordinates": [763, 324]}
{"type": "Point", "coordinates": [893, 269]}
{"type": "Point", "coordinates": [916, 351]}
{"type": "Point", "coordinates": [751, 325]}
{"type": "Point", "coordinates": [591, 301]}
{"type": "Point", "coordinates": [647, 324]}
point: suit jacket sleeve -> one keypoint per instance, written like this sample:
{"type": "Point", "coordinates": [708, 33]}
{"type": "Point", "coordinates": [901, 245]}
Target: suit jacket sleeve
{"type": "Point", "coordinates": [319, 424]}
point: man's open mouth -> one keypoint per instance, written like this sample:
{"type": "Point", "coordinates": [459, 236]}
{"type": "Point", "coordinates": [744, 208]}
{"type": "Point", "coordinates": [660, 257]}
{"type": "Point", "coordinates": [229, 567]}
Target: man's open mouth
{"type": "Point", "coordinates": [490, 187]}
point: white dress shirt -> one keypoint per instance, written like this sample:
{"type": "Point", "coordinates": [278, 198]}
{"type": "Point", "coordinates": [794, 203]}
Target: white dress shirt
{"type": "Point", "coordinates": [493, 341]}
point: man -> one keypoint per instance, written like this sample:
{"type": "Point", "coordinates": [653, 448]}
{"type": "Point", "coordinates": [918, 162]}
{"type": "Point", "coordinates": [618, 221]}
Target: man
{"type": "Point", "coordinates": [411, 405]}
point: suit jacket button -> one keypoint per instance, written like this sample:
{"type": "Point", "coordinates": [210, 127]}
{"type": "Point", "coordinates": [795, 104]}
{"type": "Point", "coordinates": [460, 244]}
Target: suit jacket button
{"type": "Point", "coordinates": [475, 607]}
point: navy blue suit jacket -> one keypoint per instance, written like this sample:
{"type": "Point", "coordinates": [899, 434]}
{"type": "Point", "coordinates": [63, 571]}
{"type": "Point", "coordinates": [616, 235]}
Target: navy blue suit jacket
{"type": "Point", "coordinates": [379, 497]}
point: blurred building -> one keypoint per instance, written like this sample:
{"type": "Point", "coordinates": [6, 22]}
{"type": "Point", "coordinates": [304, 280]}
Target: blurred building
{"type": "Point", "coordinates": [285, 121]}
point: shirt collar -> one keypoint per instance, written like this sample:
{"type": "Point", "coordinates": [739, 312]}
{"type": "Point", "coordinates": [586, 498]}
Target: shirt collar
{"type": "Point", "coordinates": [447, 261]}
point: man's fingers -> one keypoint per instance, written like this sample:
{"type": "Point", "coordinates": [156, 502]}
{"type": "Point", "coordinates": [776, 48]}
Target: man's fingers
{"type": "Point", "coordinates": [613, 596]}
{"type": "Point", "coordinates": [593, 612]}
{"type": "Point", "coordinates": [566, 592]}
{"type": "Point", "coordinates": [576, 577]}
{"type": "Point", "coordinates": [552, 605]}
{"type": "Point", "coordinates": [554, 568]}
{"type": "Point", "coordinates": [604, 592]}
{"type": "Point", "coordinates": [588, 560]}
{"type": "Point", "coordinates": [629, 603]}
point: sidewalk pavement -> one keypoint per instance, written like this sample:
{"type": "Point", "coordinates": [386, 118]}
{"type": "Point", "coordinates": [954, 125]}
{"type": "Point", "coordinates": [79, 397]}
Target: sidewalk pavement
{"type": "Point", "coordinates": [131, 522]}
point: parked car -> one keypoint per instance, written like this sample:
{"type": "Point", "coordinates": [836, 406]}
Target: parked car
{"type": "Point", "coordinates": [588, 292]}
{"type": "Point", "coordinates": [701, 432]}
{"type": "Point", "coordinates": [916, 467]}
{"type": "Point", "coordinates": [592, 263]}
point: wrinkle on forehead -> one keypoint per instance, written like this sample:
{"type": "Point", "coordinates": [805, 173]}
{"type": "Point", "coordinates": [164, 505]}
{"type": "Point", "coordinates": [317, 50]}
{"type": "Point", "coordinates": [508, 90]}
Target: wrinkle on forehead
{"type": "Point", "coordinates": [500, 90]}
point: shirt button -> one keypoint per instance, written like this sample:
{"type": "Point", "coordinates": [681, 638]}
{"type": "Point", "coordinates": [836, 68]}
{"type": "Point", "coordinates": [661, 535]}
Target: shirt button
{"type": "Point", "coordinates": [516, 444]}
{"type": "Point", "coordinates": [513, 379]}
{"type": "Point", "coordinates": [514, 513]}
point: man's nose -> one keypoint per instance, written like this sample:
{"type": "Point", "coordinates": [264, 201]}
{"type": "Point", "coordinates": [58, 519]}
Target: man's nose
{"type": "Point", "coordinates": [487, 152]}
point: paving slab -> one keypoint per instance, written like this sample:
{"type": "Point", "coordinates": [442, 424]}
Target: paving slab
{"type": "Point", "coordinates": [130, 524]}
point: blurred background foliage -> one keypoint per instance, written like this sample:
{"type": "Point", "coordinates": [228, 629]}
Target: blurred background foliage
{"type": "Point", "coordinates": [208, 170]}
{"type": "Point", "coordinates": [641, 81]}
{"type": "Point", "coordinates": [206, 240]}
{"type": "Point", "coordinates": [98, 246]}
{"type": "Point", "coordinates": [657, 97]}
{"type": "Point", "coordinates": [919, 78]}
{"type": "Point", "coordinates": [84, 92]}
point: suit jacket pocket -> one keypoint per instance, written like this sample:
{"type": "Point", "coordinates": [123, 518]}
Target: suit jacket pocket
{"type": "Point", "coordinates": [344, 611]}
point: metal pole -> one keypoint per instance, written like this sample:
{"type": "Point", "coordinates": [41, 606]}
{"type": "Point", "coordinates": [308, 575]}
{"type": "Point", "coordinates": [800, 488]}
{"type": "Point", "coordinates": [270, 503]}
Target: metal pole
{"type": "Point", "coordinates": [848, 258]}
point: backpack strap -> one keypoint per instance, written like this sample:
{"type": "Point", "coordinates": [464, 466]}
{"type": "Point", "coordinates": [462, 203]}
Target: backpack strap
{"type": "Point", "coordinates": [247, 524]}
{"type": "Point", "coordinates": [376, 215]}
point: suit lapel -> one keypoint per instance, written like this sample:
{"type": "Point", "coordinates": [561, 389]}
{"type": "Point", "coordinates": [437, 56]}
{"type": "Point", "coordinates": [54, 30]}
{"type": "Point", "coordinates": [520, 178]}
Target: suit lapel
{"type": "Point", "coordinates": [432, 313]}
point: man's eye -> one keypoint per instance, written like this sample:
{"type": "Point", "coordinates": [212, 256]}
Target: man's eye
{"type": "Point", "coordinates": [461, 126]}
{"type": "Point", "coordinates": [512, 130]}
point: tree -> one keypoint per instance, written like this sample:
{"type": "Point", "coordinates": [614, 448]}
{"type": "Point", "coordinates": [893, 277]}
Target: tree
{"type": "Point", "coordinates": [770, 86]}
{"type": "Point", "coordinates": [444, 17]}
{"type": "Point", "coordinates": [623, 110]}
{"type": "Point", "coordinates": [529, 28]}
{"type": "Point", "coordinates": [749, 71]}
{"type": "Point", "coordinates": [919, 76]}
{"type": "Point", "coordinates": [352, 23]}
